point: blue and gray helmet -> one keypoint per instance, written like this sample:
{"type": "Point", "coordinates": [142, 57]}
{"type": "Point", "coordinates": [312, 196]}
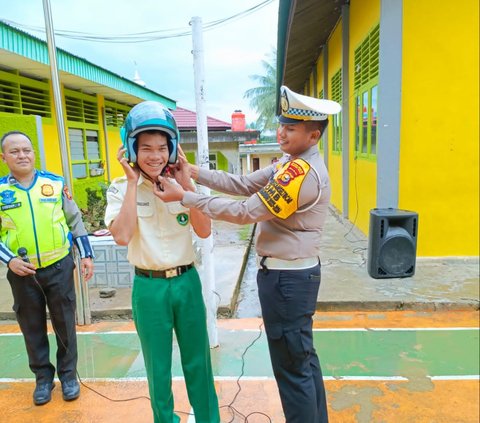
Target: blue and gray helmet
{"type": "Point", "coordinates": [147, 116]}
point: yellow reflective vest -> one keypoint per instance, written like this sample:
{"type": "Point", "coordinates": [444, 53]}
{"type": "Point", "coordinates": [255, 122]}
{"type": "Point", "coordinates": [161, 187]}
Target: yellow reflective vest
{"type": "Point", "coordinates": [33, 218]}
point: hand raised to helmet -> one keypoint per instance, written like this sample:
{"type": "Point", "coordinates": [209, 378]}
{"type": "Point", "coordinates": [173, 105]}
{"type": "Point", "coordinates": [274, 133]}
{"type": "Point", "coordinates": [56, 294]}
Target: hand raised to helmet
{"type": "Point", "coordinates": [131, 172]}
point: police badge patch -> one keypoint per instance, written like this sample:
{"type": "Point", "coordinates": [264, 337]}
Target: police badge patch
{"type": "Point", "coordinates": [8, 196]}
{"type": "Point", "coordinates": [8, 199]}
{"type": "Point", "coordinates": [281, 194]}
{"type": "Point", "coordinates": [47, 190]}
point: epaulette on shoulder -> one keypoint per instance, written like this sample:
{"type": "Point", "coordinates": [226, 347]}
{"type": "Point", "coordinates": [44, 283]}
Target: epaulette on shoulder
{"type": "Point", "coordinates": [119, 179]}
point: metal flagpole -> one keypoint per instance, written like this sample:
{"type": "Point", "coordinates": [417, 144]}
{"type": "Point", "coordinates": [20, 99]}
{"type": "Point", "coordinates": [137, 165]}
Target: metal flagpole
{"type": "Point", "coordinates": [208, 274]}
{"type": "Point", "coordinates": [83, 304]}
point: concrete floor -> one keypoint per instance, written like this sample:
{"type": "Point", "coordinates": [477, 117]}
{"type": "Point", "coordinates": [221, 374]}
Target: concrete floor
{"type": "Point", "coordinates": [425, 370]}
{"type": "Point", "coordinates": [442, 283]}
{"type": "Point", "coordinates": [432, 380]}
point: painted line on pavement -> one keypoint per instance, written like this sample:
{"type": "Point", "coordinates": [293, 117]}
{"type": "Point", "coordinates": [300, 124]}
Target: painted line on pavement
{"type": "Point", "coordinates": [258, 379]}
{"type": "Point", "coordinates": [368, 329]}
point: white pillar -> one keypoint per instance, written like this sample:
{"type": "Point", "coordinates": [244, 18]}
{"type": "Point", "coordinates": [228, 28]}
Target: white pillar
{"type": "Point", "coordinates": [206, 245]}
{"type": "Point", "coordinates": [81, 289]}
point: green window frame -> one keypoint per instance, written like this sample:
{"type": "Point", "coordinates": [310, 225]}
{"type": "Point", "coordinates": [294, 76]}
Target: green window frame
{"type": "Point", "coordinates": [83, 134]}
{"type": "Point", "coordinates": [336, 83]}
{"type": "Point", "coordinates": [115, 113]}
{"type": "Point", "coordinates": [81, 107]}
{"type": "Point", "coordinates": [25, 96]}
{"type": "Point", "coordinates": [85, 153]}
{"type": "Point", "coordinates": [366, 65]}
{"type": "Point", "coordinates": [212, 161]}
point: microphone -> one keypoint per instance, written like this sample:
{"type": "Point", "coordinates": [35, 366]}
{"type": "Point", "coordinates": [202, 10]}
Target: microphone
{"type": "Point", "coordinates": [22, 252]}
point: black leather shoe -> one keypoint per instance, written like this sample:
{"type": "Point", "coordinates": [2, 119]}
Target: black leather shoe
{"type": "Point", "coordinates": [70, 389]}
{"type": "Point", "coordinates": [43, 393]}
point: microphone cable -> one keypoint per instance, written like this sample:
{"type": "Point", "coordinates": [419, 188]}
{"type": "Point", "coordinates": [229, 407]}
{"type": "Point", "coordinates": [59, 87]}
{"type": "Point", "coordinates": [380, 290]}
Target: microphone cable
{"type": "Point", "coordinates": [22, 253]}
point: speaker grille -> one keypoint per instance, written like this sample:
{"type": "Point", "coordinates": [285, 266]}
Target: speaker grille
{"type": "Point", "coordinates": [397, 252]}
{"type": "Point", "coordinates": [392, 243]}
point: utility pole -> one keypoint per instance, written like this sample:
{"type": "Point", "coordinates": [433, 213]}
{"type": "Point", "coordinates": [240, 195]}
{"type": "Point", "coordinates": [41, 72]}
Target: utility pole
{"type": "Point", "coordinates": [208, 274]}
{"type": "Point", "coordinates": [83, 301]}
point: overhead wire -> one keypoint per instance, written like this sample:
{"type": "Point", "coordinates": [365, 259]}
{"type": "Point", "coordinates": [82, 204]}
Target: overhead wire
{"type": "Point", "coordinates": [140, 37]}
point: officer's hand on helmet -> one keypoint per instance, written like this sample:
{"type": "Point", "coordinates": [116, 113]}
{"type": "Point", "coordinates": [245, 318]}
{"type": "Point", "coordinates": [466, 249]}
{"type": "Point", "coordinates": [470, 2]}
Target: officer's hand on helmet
{"type": "Point", "coordinates": [131, 172]}
{"type": "Point", "coordinates": [181, 173]}
{"type": "Point", "coordinates": [167, 190]}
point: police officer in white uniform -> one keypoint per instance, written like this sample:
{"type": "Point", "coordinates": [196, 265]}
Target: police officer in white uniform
{"type": "Point", "coordinates": [290, 201]}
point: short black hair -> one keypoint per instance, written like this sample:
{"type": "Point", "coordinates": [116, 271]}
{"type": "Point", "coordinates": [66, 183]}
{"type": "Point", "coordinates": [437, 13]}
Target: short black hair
{"type": "Point", "coordinates": [313, 125]}
{"type": "Point", "coordinates": [4, 137]}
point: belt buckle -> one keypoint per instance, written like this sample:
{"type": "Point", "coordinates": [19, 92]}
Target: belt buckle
{"type": "Point", "coordinates": [170, 273]}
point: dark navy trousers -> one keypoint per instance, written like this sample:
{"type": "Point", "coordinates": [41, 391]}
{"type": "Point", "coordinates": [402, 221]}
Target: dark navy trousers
{"type": "Point", "coordinates": [29, 304]}
{"type": "Point", "coordinates": [288, 299]}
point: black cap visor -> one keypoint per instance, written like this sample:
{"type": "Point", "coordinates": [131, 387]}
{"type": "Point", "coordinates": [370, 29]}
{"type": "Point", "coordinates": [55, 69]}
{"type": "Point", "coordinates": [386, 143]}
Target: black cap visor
{"type": "Point", "coordinates": [288, 121]}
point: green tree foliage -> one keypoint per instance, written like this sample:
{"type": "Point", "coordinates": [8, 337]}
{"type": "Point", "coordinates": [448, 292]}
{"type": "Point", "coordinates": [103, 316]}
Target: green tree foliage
{"type": "Point", "coordinates": [262, 98]}
{"type": "Point", "coordinates": [94, 213]}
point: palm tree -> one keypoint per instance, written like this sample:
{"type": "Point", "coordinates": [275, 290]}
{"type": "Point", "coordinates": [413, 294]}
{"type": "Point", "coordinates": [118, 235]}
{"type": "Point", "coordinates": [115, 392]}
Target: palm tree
{"type": "Point", "coordinates": [262, 98]}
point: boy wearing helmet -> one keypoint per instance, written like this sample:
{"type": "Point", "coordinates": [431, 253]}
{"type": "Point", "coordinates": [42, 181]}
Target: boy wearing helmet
{"type": "Point", "coordinates": [167, 293]}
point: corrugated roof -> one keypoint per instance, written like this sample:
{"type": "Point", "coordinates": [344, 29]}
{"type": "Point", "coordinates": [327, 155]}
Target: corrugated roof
{"type": "Point", "coordinates": [29, 55]}
{"type": "Point", "coordinates": [187, 121]}
{"type": "Point", "coordinates": [303, 30]}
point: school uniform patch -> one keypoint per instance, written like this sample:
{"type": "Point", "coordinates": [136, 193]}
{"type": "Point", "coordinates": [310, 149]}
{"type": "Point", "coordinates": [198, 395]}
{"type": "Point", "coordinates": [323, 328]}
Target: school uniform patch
{"type": "Point", "coordinates": [280, 195]}
{"type": "Point", "coordinates": [182, 219]}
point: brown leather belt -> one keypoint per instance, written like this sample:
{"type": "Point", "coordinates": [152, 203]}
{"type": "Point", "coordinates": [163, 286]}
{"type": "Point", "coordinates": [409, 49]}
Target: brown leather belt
{"type": "Point", "coordinates": [164, 274]}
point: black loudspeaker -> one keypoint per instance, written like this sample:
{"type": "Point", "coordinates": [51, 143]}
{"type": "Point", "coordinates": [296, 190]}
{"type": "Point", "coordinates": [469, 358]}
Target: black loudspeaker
{"type": "Point", "coordinates": [392, 243]}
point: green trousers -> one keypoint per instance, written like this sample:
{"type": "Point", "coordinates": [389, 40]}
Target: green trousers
{"type": "Point", "coordinates": [160, 306]}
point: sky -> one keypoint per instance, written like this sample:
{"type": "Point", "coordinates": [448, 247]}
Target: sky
{"type": "Point", "coordinates": [233, 51]}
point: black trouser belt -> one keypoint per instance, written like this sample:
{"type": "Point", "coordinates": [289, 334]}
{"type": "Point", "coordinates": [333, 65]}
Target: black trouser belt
{"type": "Point", "coordinates": [164, 274]}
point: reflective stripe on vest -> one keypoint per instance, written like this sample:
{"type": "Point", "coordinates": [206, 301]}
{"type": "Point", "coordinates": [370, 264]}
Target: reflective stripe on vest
{"type": "Point", "coordinates": [33, 218]}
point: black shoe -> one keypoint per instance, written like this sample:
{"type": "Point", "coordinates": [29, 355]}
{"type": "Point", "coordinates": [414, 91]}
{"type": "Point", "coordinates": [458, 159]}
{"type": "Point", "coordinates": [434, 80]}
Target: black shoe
{"type": "Point", "coordinates": [70, 389]}
{"type": "Point", "coordinates": [43, 393]}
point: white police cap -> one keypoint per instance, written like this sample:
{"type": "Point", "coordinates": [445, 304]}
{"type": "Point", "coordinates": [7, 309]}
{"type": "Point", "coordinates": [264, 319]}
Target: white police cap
{"type": "Point", "coordinates": [298, 108]}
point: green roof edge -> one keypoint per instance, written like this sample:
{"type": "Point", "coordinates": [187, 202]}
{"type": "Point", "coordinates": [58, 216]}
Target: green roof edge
{"type": "Point", "coordinates": [33, 48]}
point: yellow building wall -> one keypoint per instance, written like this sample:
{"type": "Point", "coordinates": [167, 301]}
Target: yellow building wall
{"type": "Point", "coordinates": [114, 142]}
{"type": "Point", "coordinates": [439, 157]}
{"type": "Point", "coordinates": [364, 15]}
{"type": "Point", "coordinates": [334, 159]}
{"type": "Point", "coordinates": [51, 143]}
{"type": "Point", "coordinates": [53, 159]}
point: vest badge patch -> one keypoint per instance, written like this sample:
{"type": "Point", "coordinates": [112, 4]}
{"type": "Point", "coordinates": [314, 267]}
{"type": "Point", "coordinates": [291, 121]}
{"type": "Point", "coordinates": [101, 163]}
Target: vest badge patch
{"type": "Point", "coordinates": [66, 192]}
{"type": "Point", "coordinates": [47, 190]}
{"type": "Point", "coordinates": [8, 196]}
{"type": "Point", "coordinates": [182, 219]}
{"type": "Point", "coordinates": [281, 194]}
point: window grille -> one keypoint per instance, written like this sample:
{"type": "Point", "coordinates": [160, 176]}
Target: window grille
{"type": "Point", "coordinates": [366, 69]}
{"type": "Point", "coordinates": [22, 95]}
{"type": "Point", "coordinates": [336, 84]}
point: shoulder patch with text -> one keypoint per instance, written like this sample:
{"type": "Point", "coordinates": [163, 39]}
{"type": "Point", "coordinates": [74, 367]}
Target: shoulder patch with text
{"type": "Point", "coordinates": [280, 195]}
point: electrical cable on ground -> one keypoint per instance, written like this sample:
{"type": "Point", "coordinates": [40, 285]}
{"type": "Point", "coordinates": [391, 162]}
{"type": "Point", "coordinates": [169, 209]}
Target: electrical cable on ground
{"type": "Point", "coordinates": [228, 406]}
